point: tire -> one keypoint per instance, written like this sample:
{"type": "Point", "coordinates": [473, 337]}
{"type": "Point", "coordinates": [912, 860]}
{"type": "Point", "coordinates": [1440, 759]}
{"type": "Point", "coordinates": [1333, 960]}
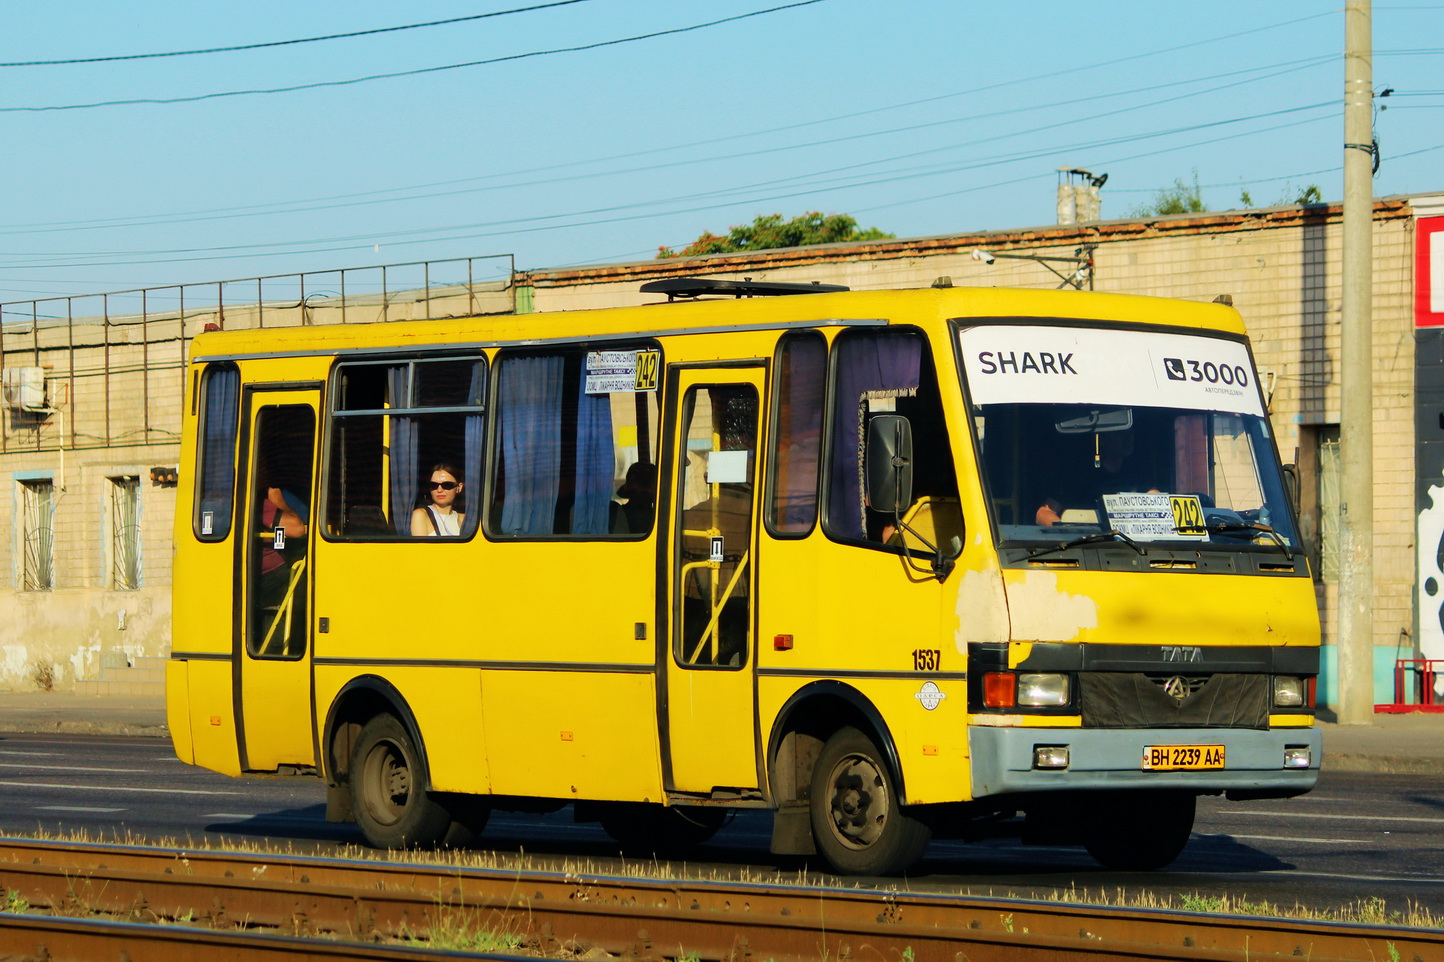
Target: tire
{"type": "Point", "coordinates": [1138, 831]}
{"type": "Point", "coordinates": [858, 823]}
{"type": "Point", "coordinates": [388, 789]}
{"type": "Point", "coordinates": [658, 830]}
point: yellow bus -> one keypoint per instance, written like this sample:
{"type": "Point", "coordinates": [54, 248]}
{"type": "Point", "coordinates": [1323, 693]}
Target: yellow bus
{"type": "Point", "coordinates": [893, 565]}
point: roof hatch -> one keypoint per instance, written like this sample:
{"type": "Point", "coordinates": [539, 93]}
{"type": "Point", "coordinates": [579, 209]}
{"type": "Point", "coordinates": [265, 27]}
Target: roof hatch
{"type": "Point", "coordinates": [684, 288]}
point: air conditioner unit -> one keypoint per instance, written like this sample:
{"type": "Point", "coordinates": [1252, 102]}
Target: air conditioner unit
{"type": "Point", "coordinates": [25, 389]}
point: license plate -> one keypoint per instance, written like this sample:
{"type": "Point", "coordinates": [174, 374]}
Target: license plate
{"type": "Point", "coordinates": [1182, 758]}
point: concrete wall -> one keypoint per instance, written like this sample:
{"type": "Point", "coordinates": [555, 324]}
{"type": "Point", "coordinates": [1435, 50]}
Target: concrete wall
{"type": "Point", "coordinates": [69, 629]}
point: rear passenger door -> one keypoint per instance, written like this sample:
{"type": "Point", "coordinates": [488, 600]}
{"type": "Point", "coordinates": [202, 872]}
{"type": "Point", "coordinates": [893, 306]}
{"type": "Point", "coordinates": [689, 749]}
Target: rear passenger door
{"type": "Point", "coordinates": [274, 639]}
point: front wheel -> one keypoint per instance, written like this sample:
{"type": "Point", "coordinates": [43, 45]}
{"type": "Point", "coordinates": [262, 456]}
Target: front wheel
{"type": "Point", "coordinates": [388, 789]}
{"type": "Point", "coordinates": [858, 823]}
{"type": "Point", "coordinates": [1138, 831]}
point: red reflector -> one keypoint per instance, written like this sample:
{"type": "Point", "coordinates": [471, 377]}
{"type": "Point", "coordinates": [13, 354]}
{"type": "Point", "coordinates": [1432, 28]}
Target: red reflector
{"type": "Point", "coordinates": [1311, 691]}
{"type": "Point", "coordinates": [782, 642]}
{"type": "Point", "coordinates": [1000, 689]}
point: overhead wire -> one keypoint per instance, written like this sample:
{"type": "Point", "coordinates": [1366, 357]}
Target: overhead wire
{"type": "Point", "coordinates": [415, 72]}
{"type": "Point", "coordinates": [393, 238]}
{"type": "Point", "coordinates": [232, 213]}
{"type": "Point", "coordinates": [234, 48]}
{"type": "Point", "coordinates": [1049, 75]}
{"type": "Point", "coordinates": [655, 214]}
{"type": "Point", "coordinates": [793, 126]}
{"type": "Point", "coordinates": [855, 114]}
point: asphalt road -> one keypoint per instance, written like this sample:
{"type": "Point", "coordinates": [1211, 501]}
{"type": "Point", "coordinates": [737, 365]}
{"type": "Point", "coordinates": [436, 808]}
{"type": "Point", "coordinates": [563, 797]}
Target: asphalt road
{"type": "Point", "coordinates": [1359, 836]}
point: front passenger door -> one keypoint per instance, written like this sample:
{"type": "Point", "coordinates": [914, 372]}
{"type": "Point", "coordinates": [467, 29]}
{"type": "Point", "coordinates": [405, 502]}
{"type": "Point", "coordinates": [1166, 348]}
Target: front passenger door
{"type": "Point", "coordinates": [710, 714]}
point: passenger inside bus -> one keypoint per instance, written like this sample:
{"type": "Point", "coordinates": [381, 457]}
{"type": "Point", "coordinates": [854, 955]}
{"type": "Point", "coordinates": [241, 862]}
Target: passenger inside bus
{"type": "Point", "coordinates": [1049, 513]}
{"type": "Point", "coordinates": [640, 491]}
{"type": "Point", "coordinates": [440, 517]}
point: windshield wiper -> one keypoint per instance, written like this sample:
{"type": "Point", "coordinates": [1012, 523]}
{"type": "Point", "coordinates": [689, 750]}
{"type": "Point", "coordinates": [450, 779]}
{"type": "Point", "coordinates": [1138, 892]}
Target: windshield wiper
{"type": "Point", "coordinates": [1088, 539]}
{"type": "Point", "coordinates": [1227, 527]}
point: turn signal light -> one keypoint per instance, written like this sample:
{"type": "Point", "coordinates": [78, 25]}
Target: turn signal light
{"type": "Point", "coordinates": [1000, 689]}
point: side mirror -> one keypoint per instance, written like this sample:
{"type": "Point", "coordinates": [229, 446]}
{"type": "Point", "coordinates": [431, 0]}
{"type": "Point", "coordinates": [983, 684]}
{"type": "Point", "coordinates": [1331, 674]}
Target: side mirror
{"type": "Point", "coordinates": [1291, 485]}
{"type": "Point", "coordinates": [889, 463]}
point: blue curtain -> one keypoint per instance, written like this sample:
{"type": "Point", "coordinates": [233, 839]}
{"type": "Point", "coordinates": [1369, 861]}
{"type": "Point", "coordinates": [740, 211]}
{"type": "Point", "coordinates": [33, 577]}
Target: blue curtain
{"type": "Point", "coordinates": [530, 403]}
{"type": "Point", "coordinates": [471, 463]}
{"type": "Point", "coordinates": [404, 484]}
{"type": "Point", "coordinates": [218, 458]}
{"type": "Point", "coordinates": [868, 366]}
{"type": "Point", "coordinates": [596, 463]}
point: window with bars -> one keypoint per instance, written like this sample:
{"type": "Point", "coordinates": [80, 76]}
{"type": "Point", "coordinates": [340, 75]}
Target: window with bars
{"type": "Point", "coordinates": [1329, 471]}
{"type": "Point", "coordinates": [37, 535]}
{"type": "Point", "coordinates": [125, 532]}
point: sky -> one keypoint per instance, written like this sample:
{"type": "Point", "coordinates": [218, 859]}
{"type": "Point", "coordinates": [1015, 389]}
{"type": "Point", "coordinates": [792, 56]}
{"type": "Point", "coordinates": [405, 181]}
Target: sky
{"type": "Point", "coordinates": [558, 134]}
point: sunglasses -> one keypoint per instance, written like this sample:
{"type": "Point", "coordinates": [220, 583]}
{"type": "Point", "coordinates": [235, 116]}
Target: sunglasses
{"type": "Point", "coordinates": [443, 485]}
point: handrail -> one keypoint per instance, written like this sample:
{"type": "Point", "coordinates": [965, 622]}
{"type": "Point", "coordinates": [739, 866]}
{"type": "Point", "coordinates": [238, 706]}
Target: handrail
{"type": "Point", "coordinates": [710, 632]}
{"type": "Point", "coordinates": [284, 609]}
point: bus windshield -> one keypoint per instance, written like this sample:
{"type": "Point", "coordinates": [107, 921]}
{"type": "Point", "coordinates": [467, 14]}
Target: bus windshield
{"type": "Point", "coordinates": [1160, 437]}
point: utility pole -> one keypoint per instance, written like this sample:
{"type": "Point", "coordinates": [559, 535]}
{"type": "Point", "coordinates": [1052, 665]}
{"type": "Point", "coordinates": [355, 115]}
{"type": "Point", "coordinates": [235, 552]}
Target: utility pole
{"type": "Point", "coordinates": [1355, 636]}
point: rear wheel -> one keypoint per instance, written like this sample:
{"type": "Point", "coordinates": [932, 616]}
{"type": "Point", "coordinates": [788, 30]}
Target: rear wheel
{"type": "Point", "coordinates": [858, 823]}
{"type": "Point", "coordinates": [388, 789]}
{"type": "Point", "coordinates": [1138, 831]}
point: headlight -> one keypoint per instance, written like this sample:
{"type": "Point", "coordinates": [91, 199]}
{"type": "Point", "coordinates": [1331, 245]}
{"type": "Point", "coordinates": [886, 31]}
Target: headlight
{"type": "Point", "coordinates": [1297, 757]}
{"type": "Point", "coordinates": [1288, 691]}
{"type": "Point", "coordinates": [1042, 691]}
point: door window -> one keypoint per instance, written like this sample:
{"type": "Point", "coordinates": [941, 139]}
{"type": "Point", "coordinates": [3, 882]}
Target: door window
{"type": "Point", "coordinates": [215, 481]}
{"type": "Point", "coordinates": [280, 520]}
{"type": "Point", "coordinates": [717, 464]}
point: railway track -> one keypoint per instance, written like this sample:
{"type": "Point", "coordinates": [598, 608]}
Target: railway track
{"type": "Point", "coordinates": [98, 899]}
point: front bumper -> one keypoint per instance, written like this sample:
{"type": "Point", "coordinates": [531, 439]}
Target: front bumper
{"type": "Point", "coordinates": [1112, 759]}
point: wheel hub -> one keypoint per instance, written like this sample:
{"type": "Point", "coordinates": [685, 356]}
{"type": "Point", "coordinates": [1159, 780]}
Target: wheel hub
{"type": "Point", "coordinates": [386, 769]}
{"type": "Point", "coordinates": [859, 801]}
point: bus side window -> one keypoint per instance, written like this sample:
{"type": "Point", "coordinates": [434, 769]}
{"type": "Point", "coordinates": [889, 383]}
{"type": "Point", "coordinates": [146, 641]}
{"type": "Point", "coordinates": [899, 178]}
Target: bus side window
{"type": "Point", "coordinates": [887, 372]}
{"type": "Point", "coordinates": [216, 480]}
{"type": "Point", "coordinates": [576, 446]}
{"type": "Point", "coordinates": [392, 421]}
{"type": "Point", "coordinates": [801, 373]}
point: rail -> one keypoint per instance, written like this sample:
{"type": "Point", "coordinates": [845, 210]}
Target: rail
{"type": "Point", "coordinates": [556, 914]}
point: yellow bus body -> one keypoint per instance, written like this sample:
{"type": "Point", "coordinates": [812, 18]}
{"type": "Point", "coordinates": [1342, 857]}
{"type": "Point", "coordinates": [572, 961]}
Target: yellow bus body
{"type": "Point", "coordinates": [542, 668]}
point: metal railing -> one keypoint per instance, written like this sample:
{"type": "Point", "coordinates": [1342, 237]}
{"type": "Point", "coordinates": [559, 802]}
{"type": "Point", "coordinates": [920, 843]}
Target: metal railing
{"type": "Point", "coordinates": [114, 362]}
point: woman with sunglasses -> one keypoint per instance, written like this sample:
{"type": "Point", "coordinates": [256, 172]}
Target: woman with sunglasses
{"type": "Point", "coordinates": [440, 517]}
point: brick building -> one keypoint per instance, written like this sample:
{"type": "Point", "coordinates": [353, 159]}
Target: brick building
{"type": "Point", "coordinates": [93, 397]}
